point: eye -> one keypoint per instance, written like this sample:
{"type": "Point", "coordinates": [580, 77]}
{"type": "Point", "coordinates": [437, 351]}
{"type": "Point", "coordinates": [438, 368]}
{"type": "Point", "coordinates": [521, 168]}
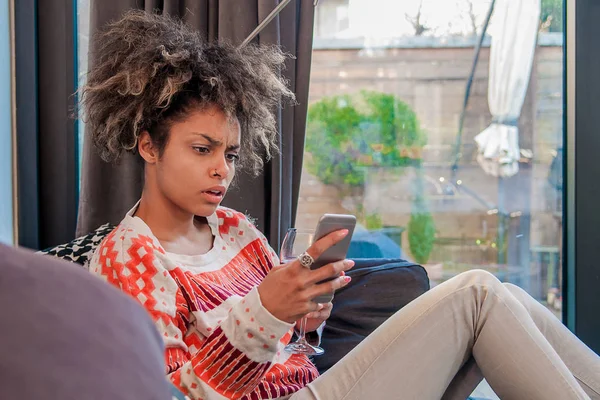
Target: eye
{"type": "Point", "coordinates": [232, 157]}
{"type": "Point", "coordinates": [200, 149]}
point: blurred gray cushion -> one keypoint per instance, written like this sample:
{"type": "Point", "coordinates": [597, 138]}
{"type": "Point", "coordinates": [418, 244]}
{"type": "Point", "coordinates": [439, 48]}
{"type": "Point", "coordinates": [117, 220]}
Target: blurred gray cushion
{"type": "Point", "coordinates": [68, 335]}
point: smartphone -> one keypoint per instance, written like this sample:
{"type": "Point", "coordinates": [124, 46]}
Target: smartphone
{"type": "Point", "coordinates": [330, 223]}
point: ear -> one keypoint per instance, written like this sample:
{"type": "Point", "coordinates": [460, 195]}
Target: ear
{"type": "Point", "coordinates": [147, 149]}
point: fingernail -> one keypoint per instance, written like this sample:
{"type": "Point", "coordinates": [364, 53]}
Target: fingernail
{"type": "Point", "coordinates": [347, 279]}
{"type": "Point", "coordinates": [348, 263]}
{"type": "Point", "coordinates": [343, 233]}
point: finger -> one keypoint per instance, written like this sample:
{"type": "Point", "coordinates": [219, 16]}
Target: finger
{"type": "Point", "coordinates": [323, 313]}
{"type": "Point", "coordinates": [319, 247]}
{"type": "Point", "coordinates": [317, 315]}
{"type": "Point", "coordinates": [328, 287]}
{"type": "Point", "coordinates": [317, 312]}
{"type": "Point", "coordinates": [330, 270]}
{"type": "Point", "coordinates": [309, 307]}
{"type": "Point", "coordinates": [320, 315]}
{"type": "Point", "coordinates": [318, 309]}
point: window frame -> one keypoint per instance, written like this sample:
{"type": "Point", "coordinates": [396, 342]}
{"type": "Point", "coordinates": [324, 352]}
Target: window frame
{"type": "Point", "coordinates": [581, 170]}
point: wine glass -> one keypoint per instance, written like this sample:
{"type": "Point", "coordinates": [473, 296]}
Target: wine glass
{"type": "Point", "coordinates": [295, 243]}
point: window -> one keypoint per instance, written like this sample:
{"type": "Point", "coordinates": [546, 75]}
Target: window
{"type": "Point", "coordinates": [83, 40]}
{"type": "Point", "coordinates": [384, 142]}
{"type": "Point", "coordinates": [6, 174]}
{"type": "Point", "coordinates": [333, 19]}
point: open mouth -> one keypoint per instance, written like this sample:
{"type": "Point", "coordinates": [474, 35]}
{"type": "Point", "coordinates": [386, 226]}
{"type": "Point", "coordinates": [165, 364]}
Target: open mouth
{"type": "Point", "coordinates": [214, 195]}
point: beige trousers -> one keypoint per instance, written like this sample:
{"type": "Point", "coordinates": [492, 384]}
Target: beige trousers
{"type": "Point", "coordinates": [443, 343]}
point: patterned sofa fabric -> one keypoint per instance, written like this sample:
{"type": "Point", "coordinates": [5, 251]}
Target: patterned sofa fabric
{"type": "Point", "coordinates": [80, 250]}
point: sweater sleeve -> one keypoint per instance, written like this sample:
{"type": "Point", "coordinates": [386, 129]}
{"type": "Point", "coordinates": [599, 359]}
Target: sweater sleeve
{"type": "Point", "coordinates": [228, 363]}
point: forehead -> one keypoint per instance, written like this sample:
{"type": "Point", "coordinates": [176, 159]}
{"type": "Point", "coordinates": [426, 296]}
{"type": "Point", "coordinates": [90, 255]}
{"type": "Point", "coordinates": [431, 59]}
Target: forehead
{"type": "Point", "coordinates": [210, 120]}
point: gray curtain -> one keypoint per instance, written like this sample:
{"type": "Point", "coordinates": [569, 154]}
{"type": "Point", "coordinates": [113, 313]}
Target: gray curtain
{"type": "Point", "coordinates": [46, 164]}
{"type": "Point", "coordinates": [108, 191]}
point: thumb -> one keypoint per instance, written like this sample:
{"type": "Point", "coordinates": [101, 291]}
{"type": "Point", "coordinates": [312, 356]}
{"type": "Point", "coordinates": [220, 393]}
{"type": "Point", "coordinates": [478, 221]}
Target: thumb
{"type": "Point", "coordinates": [316, 314]}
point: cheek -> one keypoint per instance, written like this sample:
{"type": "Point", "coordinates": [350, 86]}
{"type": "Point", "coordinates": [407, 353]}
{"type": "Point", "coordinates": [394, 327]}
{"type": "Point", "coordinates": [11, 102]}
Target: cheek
{"type": "Point", "coordinates": [177, 173]}
{"type": "Point", "coordinates": [172, 166]}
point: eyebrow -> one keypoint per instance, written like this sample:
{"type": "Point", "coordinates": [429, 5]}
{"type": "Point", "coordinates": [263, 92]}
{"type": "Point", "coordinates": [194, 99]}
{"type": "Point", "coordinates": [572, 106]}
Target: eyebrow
{"type": "Point", "coordinates": [216, 143]}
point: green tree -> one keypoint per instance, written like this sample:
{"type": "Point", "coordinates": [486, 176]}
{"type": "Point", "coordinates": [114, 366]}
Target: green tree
{"type": "Point", "coordinates": [346, 134]}
{"type": "Point", "coordinates": [421, 235]}
{"type": "Point", "coordinates": [421, 227]}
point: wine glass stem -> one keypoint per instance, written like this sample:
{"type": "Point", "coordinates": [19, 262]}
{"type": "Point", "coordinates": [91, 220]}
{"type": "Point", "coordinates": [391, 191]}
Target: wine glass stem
{"type": "Point", "coordinates": [302, 330]}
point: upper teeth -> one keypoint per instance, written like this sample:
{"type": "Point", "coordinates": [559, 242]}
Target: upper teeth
{"type": "Point", "coordinates": [214, 191]}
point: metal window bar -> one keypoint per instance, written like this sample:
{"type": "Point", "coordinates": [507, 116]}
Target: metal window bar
{"type": "Point", "coordinates": [268, 19]}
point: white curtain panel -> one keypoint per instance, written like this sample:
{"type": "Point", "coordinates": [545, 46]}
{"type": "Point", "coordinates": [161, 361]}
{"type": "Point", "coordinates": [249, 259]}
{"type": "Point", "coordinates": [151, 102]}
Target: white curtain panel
{"type": "Point", "coordinates": [512, 49]}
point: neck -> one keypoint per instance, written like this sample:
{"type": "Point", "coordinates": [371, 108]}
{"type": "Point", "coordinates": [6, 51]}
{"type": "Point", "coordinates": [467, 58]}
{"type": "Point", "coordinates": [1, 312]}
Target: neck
{"type": "Point", "coordinates": [167, 221]}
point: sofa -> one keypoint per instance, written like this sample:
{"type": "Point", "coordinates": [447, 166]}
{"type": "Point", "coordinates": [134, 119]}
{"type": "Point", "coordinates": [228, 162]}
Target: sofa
{"type": "Point", "coordinates": [381, 285]}
{"type": "Point", "coordinates": [401, 281]}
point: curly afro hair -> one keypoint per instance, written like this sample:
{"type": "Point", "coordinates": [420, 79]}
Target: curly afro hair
{"type": "Point", "coordinates": [151, 70]}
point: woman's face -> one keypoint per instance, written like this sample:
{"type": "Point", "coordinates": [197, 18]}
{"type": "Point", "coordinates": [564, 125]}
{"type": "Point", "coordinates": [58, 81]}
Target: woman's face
{"type": "Point", "coordinates": [198, 162]}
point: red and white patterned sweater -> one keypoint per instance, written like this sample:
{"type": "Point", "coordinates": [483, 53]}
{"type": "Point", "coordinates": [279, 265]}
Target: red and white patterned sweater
{"type": "Point", "coordinates": [221, 343]}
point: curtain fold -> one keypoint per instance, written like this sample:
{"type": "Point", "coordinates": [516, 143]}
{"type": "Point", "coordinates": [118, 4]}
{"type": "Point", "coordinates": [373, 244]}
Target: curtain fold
{"type": "Point", "coordinates": [511, 57]}
{"type": "Point", "coordinates": [56, 146]}
{"type": "Point", "coordinates": [108, 191]}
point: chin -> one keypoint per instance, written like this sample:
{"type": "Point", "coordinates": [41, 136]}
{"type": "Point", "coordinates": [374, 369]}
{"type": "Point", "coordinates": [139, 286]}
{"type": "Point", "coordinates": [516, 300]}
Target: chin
{"type": "Point", "coordinates": [204, 210]}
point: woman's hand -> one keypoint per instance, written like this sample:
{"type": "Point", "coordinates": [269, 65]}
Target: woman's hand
{"type": "Point", "coordinates": [316, 318]}
{"type": "Point", "coordinates": [288, 290]}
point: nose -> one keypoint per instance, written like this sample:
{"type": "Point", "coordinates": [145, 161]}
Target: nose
{"type": "Point", "coordinates": [220, 167]}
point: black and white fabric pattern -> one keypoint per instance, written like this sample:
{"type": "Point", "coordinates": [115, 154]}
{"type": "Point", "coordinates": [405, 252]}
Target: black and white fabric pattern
{"type": "Point", "coordinates": [80, 250]}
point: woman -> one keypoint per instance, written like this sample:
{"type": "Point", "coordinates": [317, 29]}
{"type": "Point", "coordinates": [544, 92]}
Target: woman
{"type": "Point", "coordinates": [195, 113]}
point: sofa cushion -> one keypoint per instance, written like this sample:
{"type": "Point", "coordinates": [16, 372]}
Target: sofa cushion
{"type": "Point", "coordinates": [378, 289]}
{"type": "Point", "coordinates": [67, 335]}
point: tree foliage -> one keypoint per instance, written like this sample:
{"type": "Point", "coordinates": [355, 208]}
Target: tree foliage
{"type": "Point", "coordinates": [421, 235]}
{"type": "Point", "coordinates": [347, 133]}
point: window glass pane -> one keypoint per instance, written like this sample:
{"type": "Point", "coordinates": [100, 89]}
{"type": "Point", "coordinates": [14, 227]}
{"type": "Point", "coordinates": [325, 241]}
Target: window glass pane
{"type": "Point", "coordinates": [384, 142]}
{"type": "Point", "coordinates": [83, 29]}
{"type": "Point", "coordinates": [387, 90]}
{"type": "Point", "coordinates": [6, 175]}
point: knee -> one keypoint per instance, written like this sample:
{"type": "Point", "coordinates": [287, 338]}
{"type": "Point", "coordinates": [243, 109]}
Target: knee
{"type": "Point", "coordinates": [515, 290]}
{"type": "Point", "coordinates": [480, 277]}
{"type": "Point", "coordinates": [474, 286]}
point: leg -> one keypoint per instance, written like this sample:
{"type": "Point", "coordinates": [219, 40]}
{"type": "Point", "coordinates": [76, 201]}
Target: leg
{"type": "Point", "coordinates": [419, 350]}
{"type": "Point", "coordinates": [464, 382]}
{"type": "Point", "coordinates": [583, 363]}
